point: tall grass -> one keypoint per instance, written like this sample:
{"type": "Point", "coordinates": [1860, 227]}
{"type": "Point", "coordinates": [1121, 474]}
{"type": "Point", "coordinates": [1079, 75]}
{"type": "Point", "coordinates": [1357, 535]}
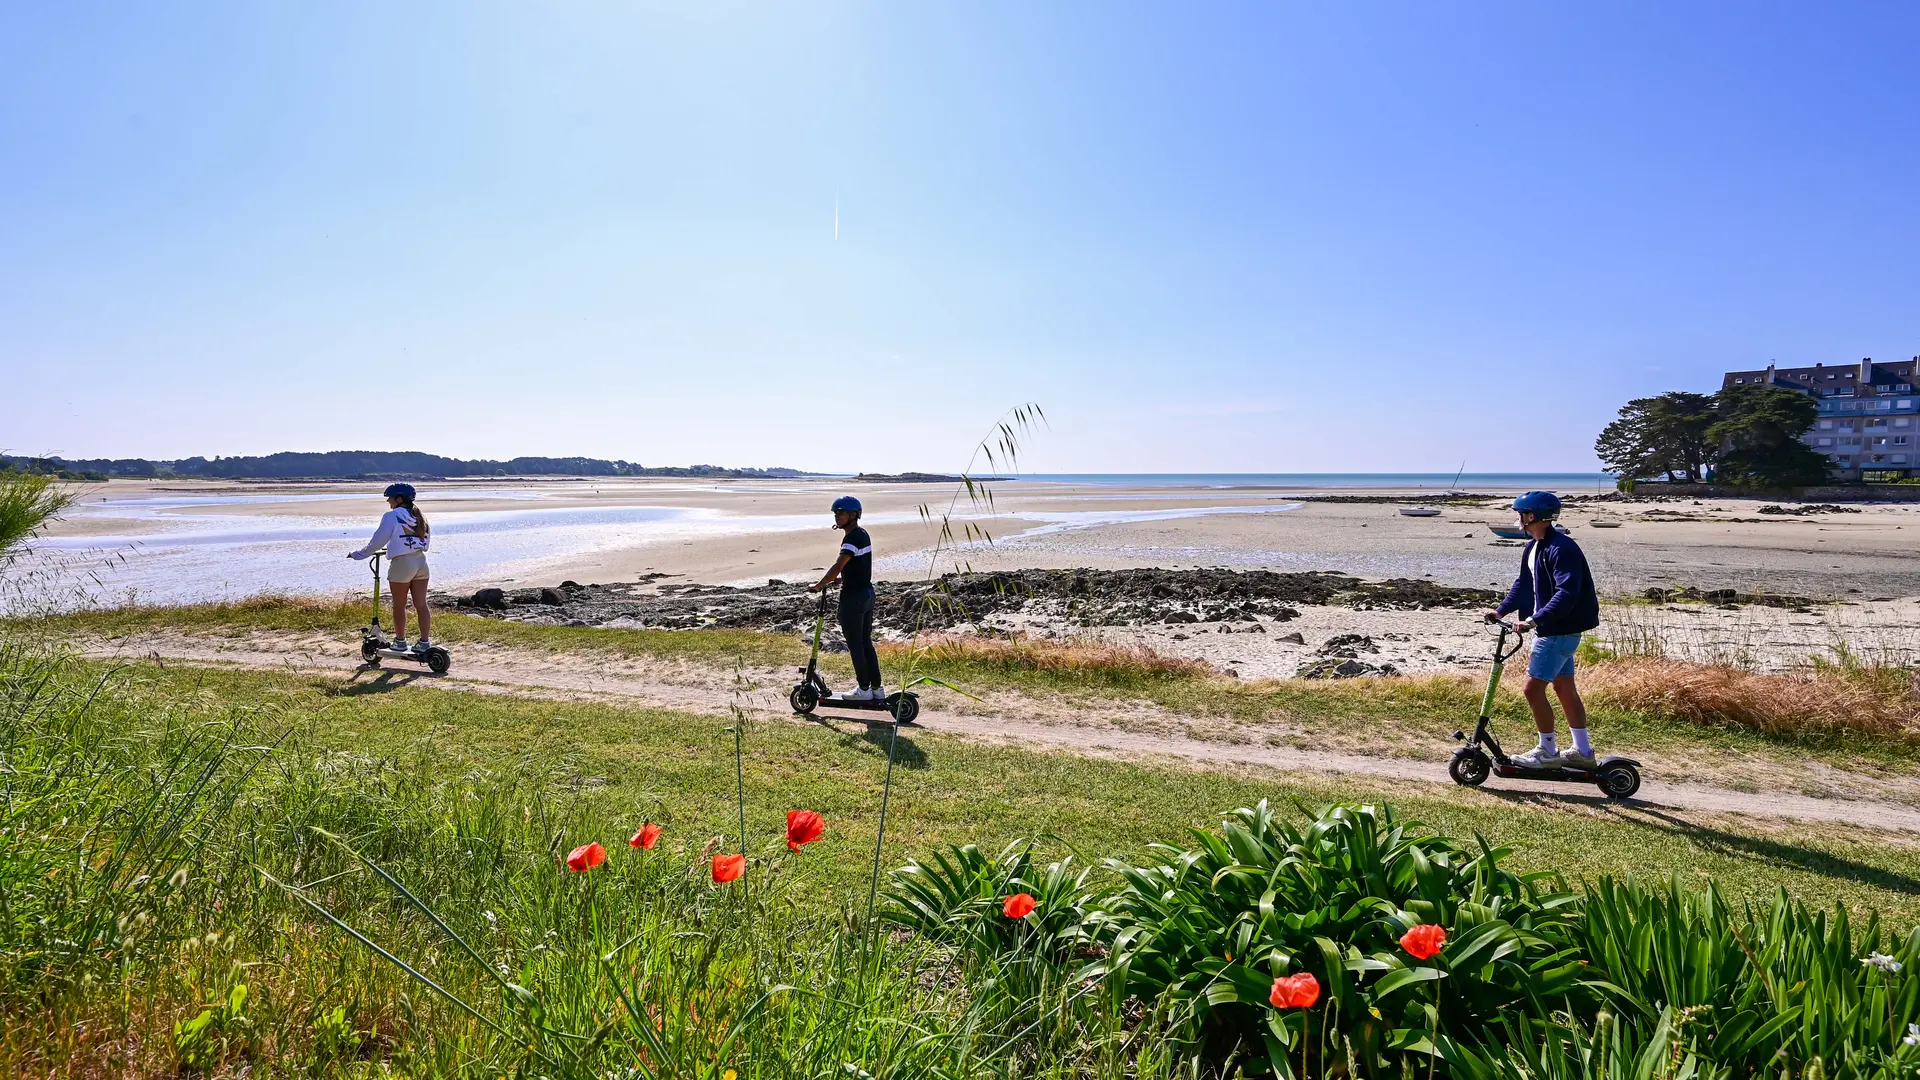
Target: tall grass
{"type": "Point", "coordinates": [27, 502]}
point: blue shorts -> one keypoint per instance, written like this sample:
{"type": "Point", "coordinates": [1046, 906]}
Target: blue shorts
{"type": "Point", "coordinates": [1553, 656]}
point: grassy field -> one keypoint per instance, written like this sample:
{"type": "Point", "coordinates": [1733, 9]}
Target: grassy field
{"type": "Point", "coordinates": [156, 838]}
{"type": "Point", "coordinates": [629, 765]}
{"type": "Point", "coordinates": [1843, 717]}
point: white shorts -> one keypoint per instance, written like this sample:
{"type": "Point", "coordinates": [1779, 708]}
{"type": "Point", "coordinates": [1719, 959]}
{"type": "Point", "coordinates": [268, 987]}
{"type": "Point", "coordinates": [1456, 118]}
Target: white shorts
{"type": "Point", "coordinates": [404, 568]}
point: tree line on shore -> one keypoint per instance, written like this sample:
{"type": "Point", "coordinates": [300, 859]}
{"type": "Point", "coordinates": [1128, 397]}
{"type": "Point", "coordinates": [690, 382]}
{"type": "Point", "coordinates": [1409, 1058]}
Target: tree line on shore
{"type": "Point", "coordinates": [1743, 436]}
{"type": "Point", "coordinates": [367, 464]}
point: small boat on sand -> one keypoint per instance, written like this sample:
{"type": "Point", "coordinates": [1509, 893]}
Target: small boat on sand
{"type": "Point", "coordinates": [1418, 511]}
{"type": "Point", "coordinates": [1604, 524]}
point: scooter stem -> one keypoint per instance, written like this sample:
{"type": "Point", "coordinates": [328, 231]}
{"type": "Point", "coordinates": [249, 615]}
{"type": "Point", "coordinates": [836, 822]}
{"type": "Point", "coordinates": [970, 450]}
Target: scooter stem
{"type": "Point", "coordinates": [374, 562]}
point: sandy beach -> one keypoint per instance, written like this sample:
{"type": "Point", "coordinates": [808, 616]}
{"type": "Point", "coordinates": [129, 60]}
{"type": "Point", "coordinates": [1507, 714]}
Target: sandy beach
{"type": "Point", "coordinates": [1851, 573]}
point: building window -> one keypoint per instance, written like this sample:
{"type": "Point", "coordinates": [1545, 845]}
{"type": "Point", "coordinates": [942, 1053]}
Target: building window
{"type": "Point", "coordinates": [1826, 425]}
{"type": "Point", "coordinates": [1899, 459]}
{"type": "Point", "coordinates": [1846, 459]}
{"type": "Point", "coordinates": [1825, 442]}
{"type": "Point", "coordinates": [1904, 387]}
{"type": "Point", "coordinates": [1899, 440]}
{"type": "Point", "coordinates": [1882, 388]}
{"type": "Point", "coordinates": [1901, 421]}
{"type": "Point", "coordinates": [1904, 403]}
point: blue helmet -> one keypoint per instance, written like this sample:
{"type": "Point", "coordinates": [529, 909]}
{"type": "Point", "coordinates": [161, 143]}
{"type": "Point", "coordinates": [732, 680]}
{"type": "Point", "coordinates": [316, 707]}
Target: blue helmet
{"type": "Point", "coordinates": [1541, 504]}
{"type": "Point", "coordinates": [848, 503]}
{"type": "Point", "coordinates": [399, 491]}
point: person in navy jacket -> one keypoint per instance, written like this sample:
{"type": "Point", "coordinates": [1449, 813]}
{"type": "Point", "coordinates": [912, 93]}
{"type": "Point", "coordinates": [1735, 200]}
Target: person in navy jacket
{"type": "Point", "coordinates": [1555, 598]}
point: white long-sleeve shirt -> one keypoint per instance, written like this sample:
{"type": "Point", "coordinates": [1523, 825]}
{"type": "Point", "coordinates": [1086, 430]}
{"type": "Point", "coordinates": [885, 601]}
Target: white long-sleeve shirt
{"type": "Point", "coordinates": [394, 534]}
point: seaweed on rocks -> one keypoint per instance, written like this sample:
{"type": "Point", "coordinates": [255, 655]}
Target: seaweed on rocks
{"type": "Point", "coordinates": [1089, 598]}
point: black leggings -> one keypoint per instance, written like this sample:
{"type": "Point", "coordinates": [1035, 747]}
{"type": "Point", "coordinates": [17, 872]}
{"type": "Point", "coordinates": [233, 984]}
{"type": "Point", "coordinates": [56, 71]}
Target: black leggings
{"type": "Point", "coordinates": [856, 622]}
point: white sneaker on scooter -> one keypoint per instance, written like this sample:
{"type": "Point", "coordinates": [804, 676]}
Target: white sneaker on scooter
{"type": "Point", "coordinates": [1539, 758]}
{"type": "Point", "coordinates": [857, 695]}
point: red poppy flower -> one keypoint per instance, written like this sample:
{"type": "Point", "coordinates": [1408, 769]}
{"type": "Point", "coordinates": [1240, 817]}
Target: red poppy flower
{"type": "Point", "coordinates": [728, 868]}
{"type": "Point", "coordinates": [586, 857]}
{"type": "Point", "coordinates": [1018, 906]}
{"type": "Point", "coordinates": [1424, 941]}
{"type": "Point", "coordinates": [803, 827]}
{"type": "Point", "coordinates": [1295, 991]}
{"type": "Point", "coordinates": [648, 836]}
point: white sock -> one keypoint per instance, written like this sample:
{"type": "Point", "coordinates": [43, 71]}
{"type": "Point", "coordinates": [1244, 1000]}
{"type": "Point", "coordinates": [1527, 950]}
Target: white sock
{"type": "Point", "coordinates": [1581, 743]}
{"type": "Point", "coordinates": [1549, 743]}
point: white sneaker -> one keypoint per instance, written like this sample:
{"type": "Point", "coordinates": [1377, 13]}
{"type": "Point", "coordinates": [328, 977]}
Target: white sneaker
{"type": "Point", "coordinates": [1574, 759]}
{"type": "Point", "coordinates": [1538, 758]}
{"type": "Point", "coordinates": [398, 643]}
{"type": "Point", "coordinates": [856, 695]}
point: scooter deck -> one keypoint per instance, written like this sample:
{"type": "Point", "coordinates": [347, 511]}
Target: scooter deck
{"type": "Point", "coordinates": [1565, 776]}
{"type": "Point", "coordinates": [838, 703]}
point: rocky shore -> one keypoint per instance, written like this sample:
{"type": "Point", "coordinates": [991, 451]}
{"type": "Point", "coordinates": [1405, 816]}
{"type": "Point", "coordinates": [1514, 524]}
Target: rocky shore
{"type": "Point", "coordinates": [1062, 600]}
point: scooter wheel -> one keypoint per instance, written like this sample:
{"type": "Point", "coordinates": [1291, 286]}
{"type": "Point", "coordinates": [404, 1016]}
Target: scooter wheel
{"type": "Point", "coordinates": [370, 653]}
{"type": "Point", "coordinates": [904, 707]}
{"type": "Point", "coordinates": [439, 660]}
{"type": "Point", "coordinates": [804, 699]}
{"type": "Point", "coordinates": [1469, 768]}
{"type": "Point", "coordinates": [1618, 781]}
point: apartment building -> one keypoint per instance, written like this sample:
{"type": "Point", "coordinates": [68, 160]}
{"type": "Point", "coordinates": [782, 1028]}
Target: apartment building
{"type": "Point", "coordinates": [1869, 426]}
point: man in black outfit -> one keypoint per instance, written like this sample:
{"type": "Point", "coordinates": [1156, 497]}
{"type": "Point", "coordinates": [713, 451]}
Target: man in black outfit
{"type": "Point", "coordinates": [854, 569]}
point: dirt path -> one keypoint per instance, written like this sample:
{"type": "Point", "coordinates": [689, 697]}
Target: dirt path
{"type": "Point", "coordinates": [1134, 731]}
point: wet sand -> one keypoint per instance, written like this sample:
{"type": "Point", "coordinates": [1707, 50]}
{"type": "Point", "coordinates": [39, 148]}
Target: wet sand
{"type": "Point", "coordinates": [1709, 544]}
{"type": "Point", "coordinates": [1858, 566]}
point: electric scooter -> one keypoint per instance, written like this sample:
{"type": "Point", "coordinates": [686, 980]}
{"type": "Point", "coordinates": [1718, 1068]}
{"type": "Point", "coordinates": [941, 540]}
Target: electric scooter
{"type": "Point", "coordinates": [1617, 777]}
{"type": "Point", "coordinates": [376, 646]}
{"type": "Point", "coordinates": [812, 691]}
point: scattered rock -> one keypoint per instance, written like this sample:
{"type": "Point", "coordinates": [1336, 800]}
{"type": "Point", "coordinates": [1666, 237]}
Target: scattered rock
{"type": "Point", "coordinates": [491, 599]}
{"type": "Point", "coordinates": [1810, 508]}
{"type": "Point", "coordinates": [1295, 638]}
{"type": "Point", "coordinates": [1348, 645]}
{"type": "Point", "coordinates": [1334, 667]}
{"type": "Point", "coordinates": [1725, 597]}
{"type": "Point", "coordinates": [962, 602]}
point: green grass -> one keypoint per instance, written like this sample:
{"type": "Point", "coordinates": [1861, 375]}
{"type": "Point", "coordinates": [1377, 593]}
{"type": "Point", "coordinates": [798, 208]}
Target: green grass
{"type": "Point", "coordinates": [1420, 711]}
{"type": "Point", "coordinates": [677, 768]}
{"type": "Point", "coordinates": [470, 798]}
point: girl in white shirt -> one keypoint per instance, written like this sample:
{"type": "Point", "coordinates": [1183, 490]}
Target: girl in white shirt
{"type": "Point", "coordinates": [403, 533]}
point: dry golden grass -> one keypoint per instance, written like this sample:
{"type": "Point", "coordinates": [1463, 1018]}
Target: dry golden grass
{"type": "Point", "coordinates": [1869, 701]}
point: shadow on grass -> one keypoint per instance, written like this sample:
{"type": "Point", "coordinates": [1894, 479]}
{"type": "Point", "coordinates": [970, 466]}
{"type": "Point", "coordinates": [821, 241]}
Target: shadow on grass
{"type": "Point", "coordinates": [874, 735]}
{"type": "Point", "coordinates": [383, 682]}
{"type": "Point", "coordinates": [1733, 845]}
{"type": "Point", "coordinates": [1778, 853]}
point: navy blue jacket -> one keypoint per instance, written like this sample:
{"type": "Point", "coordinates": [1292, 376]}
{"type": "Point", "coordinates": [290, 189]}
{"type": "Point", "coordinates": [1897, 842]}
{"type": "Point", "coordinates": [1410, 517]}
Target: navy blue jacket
{"type": "Point", "coordinates": [1555, 568]}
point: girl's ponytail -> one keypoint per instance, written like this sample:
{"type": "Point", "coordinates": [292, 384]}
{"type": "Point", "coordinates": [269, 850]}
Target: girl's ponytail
{"type": "Point", "coordinates": [419, 519]}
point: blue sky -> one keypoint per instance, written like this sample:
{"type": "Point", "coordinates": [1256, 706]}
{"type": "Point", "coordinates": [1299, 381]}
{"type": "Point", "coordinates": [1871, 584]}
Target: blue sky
{"type": "Point", "coordinates": [1328, 237]}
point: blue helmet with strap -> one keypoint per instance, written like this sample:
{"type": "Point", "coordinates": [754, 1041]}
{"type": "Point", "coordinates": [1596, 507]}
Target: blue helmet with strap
{"type": "Point", "coordinates": [1544, 505]}
{"type": "Point", "coordinates": [846, 503]}
{"type": "Point", "coordinates": [399, 491]}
